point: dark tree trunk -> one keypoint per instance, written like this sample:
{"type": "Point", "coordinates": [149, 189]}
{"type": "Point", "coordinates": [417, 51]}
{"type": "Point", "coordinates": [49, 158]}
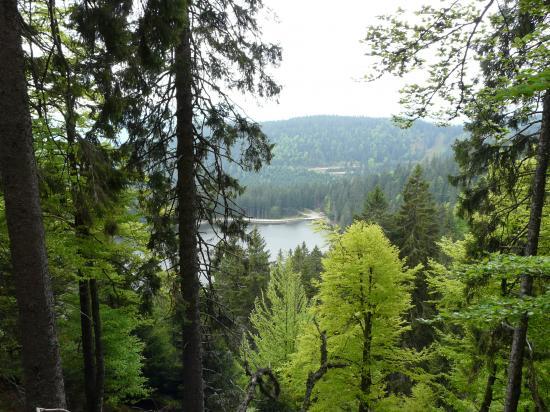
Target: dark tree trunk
{"type": "Point", "coordinates": [513, 390]}
{"type": "Point", "coordinates": [87, 343]}
{"type": "Point", "coordinates": [365, 371]}
{"type": "Point", "coordinates": [324, 367]}
{"type": "Point", "coordinates": [90, 321]}
{"type": "Point", "coordinates": [366, 378]}
{"type": "Point", "coordinates": [42, 372]}
{"type": "Point", "coordinates": [193, 397]}
{"type": "Point", "coordinates": [98, 340]}
{"type": "Point", "coordinates": [540, 405]}
{"type": "Point", "coordinates": [488, 397]}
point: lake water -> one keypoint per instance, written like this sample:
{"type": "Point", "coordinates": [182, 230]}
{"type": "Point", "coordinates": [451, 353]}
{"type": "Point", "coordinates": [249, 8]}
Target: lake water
{"type": "Point", "coordinates": [285, 236]}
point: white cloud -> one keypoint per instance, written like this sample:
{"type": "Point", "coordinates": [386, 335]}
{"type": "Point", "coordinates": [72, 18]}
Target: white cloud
{"type": "Point", "coordinates": [324, 61]}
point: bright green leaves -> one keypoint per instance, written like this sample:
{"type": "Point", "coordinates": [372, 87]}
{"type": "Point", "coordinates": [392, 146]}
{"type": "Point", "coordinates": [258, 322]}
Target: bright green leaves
{"type": "Point", "coordinates": [364, 287]}
{"type": "Point", "coordinates": [478, 304]}
{"type": "Point", "coordinates": [528, 84]}
{"type": "Point", "coordinates": [278, 318]}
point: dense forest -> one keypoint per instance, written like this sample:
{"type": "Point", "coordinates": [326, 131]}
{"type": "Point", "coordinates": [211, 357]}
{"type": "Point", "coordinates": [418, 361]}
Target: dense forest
{"type": "Point", "coordinates": [280, 192]}
{"type": "Point", "coordinates": [330, 163]}
{"type": "Point", "coordinates": [356, 142]}
{"type": "Point", "coordinates": [120, 139]}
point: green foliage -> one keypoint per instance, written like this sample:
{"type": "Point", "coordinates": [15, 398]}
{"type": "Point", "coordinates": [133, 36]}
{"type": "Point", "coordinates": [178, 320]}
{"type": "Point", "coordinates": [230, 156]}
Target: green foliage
{"type": "Point", "coordinates": [239, 276]}
{"type": "Point", "coordinates": [277, 319]}
{"type": "Point", "coordinates": [281, 191]}
{"type": "Point", "coordinates": [417, 227]}
{"type": "Point", "coordinates": [363, 283]}
{"type": "Point", "coordinates": [478, 304]}
{"type": "Point", "coordinates": [352, 143]}
{"type": "Point", "coordinates": [376, 211]}
{"type": "Point", "coordinates": [123, 359]}
{"type": "Point", "coordinates": [308, 264]}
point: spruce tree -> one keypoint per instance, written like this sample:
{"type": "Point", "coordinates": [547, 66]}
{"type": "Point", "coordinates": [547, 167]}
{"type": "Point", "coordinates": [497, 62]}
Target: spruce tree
{"type": "Point", "coordinates": [417, 232]}
{"type": "Point", "coordinates": [192, 53]}
{"type": "Point", "coordinates": [43, 378]}
{"type": "Point", "coordinates": [492, 67]}
{"type": "Point", "coordinates": [417, 229]}
{"type": "Point", "coordinates": [240, 274]}
{"type": "Point", "coordinates": [376, 210]}
{"type": "Point", "coordinates": [77, 94]}
{"type": "Point", "coordinates": [309, 265]}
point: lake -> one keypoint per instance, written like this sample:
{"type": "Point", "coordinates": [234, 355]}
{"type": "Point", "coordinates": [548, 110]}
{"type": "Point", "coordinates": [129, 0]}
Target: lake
{"type": "Point", "coordinates": [285, 236]}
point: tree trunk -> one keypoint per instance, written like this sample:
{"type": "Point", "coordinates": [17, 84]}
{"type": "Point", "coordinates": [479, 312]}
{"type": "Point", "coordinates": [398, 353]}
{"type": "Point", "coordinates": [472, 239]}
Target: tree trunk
{"type": "Point", "coordinates": [365, 371]}
{"type": "Point", "coordinates": [513, 390]}
{"type": "Point", "coordinates": [42, 372]}
{"type": "Point", "coordinates": [90, 321]}
{"type": "Point", "coordinates": [540, 405]}
{"type": "Point", "coordinates": [193, 397]}
{"type": "Point", "coordinates": [488, 397]}
{"type": "Point", "coordinates": [99, 355]}
{"type": "Point", "coordinates": [87, 343]}
{"type": "Point", "coordinates": [366, 378]}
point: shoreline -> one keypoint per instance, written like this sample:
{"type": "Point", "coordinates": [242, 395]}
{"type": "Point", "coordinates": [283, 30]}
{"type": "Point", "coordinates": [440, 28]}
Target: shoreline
{"type": "Point", "coordinates": [307, 216]}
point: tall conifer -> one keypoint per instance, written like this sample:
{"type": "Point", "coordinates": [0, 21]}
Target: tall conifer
{"type": "Point", "coordinates": [43, 378]}
{"type": "Point", "coordinates": [417, 231]}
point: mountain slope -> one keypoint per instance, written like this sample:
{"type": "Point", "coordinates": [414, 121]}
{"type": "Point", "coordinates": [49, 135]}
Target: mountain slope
{"type": "Point", "coordinates": [371, 143]}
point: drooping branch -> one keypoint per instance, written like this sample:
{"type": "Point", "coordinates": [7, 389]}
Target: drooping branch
{"type": "Point", "coordinates": [256, 380]}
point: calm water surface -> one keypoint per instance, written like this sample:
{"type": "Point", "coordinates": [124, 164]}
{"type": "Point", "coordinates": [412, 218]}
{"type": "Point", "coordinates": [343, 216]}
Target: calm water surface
{"type": "Point", "coordinates": [288, 235]}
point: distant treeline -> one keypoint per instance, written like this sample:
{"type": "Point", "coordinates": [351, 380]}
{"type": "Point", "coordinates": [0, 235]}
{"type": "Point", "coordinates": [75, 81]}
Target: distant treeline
{"type": "Point", "coordinates": [280, 192]}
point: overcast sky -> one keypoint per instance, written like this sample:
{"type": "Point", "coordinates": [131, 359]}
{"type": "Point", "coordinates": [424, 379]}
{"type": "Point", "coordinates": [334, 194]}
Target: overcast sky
{"type": "Point", "coordinates": [323, 59]}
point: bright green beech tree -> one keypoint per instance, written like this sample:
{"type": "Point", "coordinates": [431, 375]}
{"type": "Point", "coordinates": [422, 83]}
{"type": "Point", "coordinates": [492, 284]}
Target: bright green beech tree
{"type": "Point", "coordinates": [363, 297]}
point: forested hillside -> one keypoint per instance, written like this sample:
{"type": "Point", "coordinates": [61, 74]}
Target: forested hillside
{"type": "Point", "coordinates": [285, 191]}
{"type": "Point", "coordinates": [355, 142]}
{"type": "Point", "coordinates": [330, 163]}
{"type": "Point", "coordinates": [131, 279]}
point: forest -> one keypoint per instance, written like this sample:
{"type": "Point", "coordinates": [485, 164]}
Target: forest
{"type": "Point", "coordinates": [120, 138]}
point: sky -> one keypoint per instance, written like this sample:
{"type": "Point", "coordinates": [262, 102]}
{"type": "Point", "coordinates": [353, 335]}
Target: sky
{"type": "Point", "coordinates": [324, 62]}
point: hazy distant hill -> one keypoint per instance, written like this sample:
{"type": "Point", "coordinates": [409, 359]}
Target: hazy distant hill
{"type": "Point", "coordinates": [374, 143]}
{"type": "Point", "coordinates": [331, 162]}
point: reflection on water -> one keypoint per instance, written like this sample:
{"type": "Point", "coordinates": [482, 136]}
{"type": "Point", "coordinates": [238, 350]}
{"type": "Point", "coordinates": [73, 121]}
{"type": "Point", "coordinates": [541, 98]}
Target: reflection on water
{"type": "Point", "coordinates": [285, 236]}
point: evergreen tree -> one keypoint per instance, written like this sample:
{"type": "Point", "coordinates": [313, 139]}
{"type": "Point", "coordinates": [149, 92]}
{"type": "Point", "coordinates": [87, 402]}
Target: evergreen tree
{"type": "Point", "coordinates": [417, 226]}
{"type": "Point", "coordinates": [277, 319]}
{"type": "Point", "coordinates": [80, 75]}
{"type": "Point", "coordinates": [207, 49]}
{"type": "Point", "coordinates": [240, 275]}
{"type": "Point", "coordinates": [308, 264]}
{"type": "Point", "coordinates": [507, 106]}
{"type": "Point", "coordinates": [43, 378]}
{"type": "Point", "coordinates": [376, 210]}
{"type": "Point", "coordinates": [416, 235]}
